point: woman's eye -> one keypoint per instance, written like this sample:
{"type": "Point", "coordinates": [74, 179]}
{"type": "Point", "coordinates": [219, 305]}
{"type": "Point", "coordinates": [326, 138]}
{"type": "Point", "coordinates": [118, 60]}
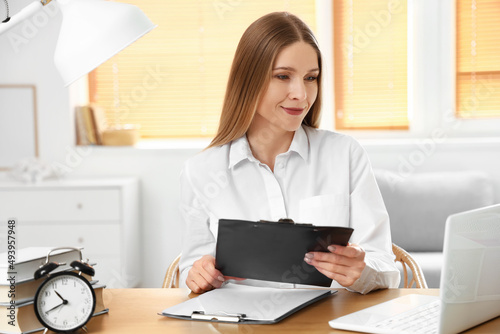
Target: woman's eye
{"type": "Point", "coordinates": [282, 76]}
{"type": "Point", "coordinates": [311, 78]}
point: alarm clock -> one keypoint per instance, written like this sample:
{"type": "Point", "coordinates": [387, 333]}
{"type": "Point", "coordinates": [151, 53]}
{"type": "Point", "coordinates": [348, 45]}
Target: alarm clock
{"type": "Point", "coordinates": [66, 300]}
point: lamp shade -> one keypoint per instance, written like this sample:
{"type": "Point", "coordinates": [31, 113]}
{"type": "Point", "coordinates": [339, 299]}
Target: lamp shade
{"type": "Point", "coordinates": [92, 31]}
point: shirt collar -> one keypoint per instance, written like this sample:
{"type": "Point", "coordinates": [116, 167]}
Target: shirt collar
{"type": "Point", "coordinates": [239, 151]}
{"type": "Point", "coordinates": [300, 143]}
{"type": "Point", "coordinates": [240, 148]}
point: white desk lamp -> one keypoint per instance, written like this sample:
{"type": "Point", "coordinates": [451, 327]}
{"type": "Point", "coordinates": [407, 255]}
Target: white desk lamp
{"type": "Point", "coordinates": [92, 31]}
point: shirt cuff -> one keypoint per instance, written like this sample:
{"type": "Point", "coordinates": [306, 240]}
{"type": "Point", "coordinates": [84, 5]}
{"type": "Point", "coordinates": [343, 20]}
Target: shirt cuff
{"type": "Point", "coordinates": [366, 282]}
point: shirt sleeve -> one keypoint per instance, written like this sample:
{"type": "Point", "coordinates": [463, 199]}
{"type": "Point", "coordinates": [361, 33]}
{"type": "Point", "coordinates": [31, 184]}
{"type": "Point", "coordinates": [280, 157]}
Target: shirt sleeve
{"type": "Point", "coordinates": [198, 240]}
{"type": "Point", "coordinates": [370, 220]}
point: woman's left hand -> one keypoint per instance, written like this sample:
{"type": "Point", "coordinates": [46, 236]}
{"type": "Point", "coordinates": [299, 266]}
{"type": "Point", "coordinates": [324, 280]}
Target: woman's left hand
{"type": "Point", "coordinates": [343, 264]}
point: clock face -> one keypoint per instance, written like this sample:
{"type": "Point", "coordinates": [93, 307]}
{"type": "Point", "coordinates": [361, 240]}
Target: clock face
{"type": "Point", "coordinates": [64, 302]}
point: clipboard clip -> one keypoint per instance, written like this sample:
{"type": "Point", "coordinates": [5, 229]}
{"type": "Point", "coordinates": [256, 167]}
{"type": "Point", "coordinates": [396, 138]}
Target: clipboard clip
{"type": "Point", "coordinates": [285, 221]}
{"type": "Point", "coordinates": [220, 316]}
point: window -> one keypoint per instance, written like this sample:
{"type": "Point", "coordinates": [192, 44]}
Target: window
{"type": "Point", "coordinates": [477, 59]}
{"type": "Point", "coordinates": [370, 61]}
{"type": "Point", "coordinates": [172, 81]}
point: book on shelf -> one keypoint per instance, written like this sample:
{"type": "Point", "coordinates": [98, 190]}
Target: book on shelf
{"type": "Point", "coordinates": [99, 122]}
{"type": "Point", "coordinates": [90, 123]}
{"type": "Point", "coordinates": [29, 259]}
{"type": "Point", "coordinates": [81, 132]}
{"type": "Point", "coordinates": [86, 127]}
{"type": "Point", "coordinates": [25, 320]}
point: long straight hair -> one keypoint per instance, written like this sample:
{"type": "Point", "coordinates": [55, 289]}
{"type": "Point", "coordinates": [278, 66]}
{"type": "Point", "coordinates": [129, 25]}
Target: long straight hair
{"type": "Point", "coordinates": [251, 72]}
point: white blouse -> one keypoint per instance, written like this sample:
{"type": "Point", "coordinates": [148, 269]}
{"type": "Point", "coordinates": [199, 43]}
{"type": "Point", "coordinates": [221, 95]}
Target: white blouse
{"type": "Point", "coordinates": [325, 178]}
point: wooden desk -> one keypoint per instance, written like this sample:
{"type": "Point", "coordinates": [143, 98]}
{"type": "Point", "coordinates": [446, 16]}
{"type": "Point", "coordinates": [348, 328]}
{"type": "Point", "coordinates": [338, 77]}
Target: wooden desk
{"type": "Point", "coordinates": [136, 311]}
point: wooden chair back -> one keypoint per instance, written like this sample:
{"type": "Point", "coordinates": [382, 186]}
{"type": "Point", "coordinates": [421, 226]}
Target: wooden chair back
{"type": "Point", "coordinates": [171, 279]}
{"type": "Point", "coordinates": [417, 279]}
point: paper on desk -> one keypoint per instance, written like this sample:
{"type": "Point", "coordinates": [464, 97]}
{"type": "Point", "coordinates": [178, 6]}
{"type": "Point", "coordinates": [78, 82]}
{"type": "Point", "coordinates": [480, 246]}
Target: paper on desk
{"type": "Point", "coordinates": [257, 303]}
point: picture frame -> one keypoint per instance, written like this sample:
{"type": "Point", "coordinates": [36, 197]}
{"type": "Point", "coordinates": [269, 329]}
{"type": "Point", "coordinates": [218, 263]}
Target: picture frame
{"type": "Point", "coordinates": [18, 124]}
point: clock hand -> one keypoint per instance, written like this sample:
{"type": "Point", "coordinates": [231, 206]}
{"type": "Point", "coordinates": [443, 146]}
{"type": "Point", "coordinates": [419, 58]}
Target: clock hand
{"type": "Point", "coordinates": [58, 295]}
{"type": "Point", "coordinates": [59, 305]}
{"type": "Point", "coordinates": [64, 302]}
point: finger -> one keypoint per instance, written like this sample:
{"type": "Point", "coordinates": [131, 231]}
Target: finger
{"type": "Point", "coordinates": [344, 275]}
{"type": "Point", "coordinates": [204, 273]}
{"type": "Point", "coordinates": [201, 282]}
{"type": "Point", "coordinates": [318, 257]}
{"type": "Point", "coordinates": [234, 278]}
{"type": "Point", "coordinates": [336, 263]}
{"type": "Point", "coordinates": [342, 279]}
{"type": "Point", "coordinates": [328, 266]}
{"type": "Point", "coordinates": [211, 282]}
{"type": "Point", "coordinates": [351, 251]}
{"type": "Point", "coordinates": [193, 286]}
{"type": "Point", "coordinates": [213, 276]}
{"type": "Point", "coordinates": [209, 269]}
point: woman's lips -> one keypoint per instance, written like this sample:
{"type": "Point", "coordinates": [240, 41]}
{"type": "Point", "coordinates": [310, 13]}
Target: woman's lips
{"type": "Point", "coordinates": [293, 111]}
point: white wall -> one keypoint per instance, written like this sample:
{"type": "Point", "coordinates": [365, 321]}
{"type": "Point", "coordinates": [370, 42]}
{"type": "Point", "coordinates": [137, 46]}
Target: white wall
{"type": "Point", "coordinates": [158, 168]}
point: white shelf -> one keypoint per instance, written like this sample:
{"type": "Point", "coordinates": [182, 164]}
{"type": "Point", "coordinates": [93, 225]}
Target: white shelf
{"type": "Point", "coordinates": [100, 215]}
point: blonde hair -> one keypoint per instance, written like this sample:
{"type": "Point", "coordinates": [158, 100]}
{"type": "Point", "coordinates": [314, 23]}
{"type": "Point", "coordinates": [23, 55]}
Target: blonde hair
{"type": "Point", "coordinates": [251, 72]}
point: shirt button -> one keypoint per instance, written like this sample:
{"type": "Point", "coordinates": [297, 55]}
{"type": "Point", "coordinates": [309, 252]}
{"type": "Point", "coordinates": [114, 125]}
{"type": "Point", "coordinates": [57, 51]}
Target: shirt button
{"type": "Point", "coordinates": [281, 165]}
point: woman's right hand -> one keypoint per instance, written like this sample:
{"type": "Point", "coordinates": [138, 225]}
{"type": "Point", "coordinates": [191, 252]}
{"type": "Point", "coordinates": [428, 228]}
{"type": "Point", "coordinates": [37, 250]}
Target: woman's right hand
{"type": "Point", "coordinates": [203, 276]}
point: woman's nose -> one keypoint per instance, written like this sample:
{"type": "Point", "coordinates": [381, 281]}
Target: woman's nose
{"type": "Point", "coordinates": [297, 90]}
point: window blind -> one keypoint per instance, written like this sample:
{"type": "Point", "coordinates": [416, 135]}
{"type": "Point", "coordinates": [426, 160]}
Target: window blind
{"type": "Point", "coordinates": [478, 58]}
{"type": "Point", "coordinates": [172, 81]}
{"type": "Point", "coordinates": [370, 61]}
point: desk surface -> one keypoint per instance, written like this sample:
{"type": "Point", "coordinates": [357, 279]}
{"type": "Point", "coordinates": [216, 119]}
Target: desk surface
{"type": "Point", "coordinates": [136, 311]}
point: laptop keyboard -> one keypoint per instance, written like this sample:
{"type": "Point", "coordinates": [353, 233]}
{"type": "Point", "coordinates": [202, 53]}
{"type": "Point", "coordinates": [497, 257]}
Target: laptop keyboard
{"type": "Point", "coordinates": [422, 319]}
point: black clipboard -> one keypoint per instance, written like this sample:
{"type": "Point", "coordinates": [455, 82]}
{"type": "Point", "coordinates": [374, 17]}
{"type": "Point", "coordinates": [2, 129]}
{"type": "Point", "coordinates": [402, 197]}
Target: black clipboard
{"type": "Point", "coordinates": [274, 251]}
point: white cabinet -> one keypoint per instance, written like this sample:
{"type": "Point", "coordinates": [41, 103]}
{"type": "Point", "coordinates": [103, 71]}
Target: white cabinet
{"type": "Point", "coordinates": [100, 215]}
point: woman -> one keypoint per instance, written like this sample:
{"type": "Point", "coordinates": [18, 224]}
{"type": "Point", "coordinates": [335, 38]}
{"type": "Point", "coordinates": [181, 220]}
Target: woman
{"type": "Point", "coordinates": [269, 161]}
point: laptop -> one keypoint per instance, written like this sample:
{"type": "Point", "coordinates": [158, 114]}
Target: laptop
{"type": "Point", "coordinates": [469, 286]}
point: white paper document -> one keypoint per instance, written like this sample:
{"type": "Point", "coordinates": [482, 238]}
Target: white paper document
{"type": "Point", "coordinates": [243, 303]}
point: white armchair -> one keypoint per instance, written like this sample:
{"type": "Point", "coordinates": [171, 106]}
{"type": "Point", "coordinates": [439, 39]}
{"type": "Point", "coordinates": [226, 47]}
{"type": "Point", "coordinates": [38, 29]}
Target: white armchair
{"type": "Point", "coordinates": [419, 204]}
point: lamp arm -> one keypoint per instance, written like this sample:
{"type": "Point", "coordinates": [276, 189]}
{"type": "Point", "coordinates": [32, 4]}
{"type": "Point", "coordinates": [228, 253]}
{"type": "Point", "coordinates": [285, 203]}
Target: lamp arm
{"type": "Point", "coordinates": [26, 12]}
{"type": "Point", "coordinates": [7, 17]}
